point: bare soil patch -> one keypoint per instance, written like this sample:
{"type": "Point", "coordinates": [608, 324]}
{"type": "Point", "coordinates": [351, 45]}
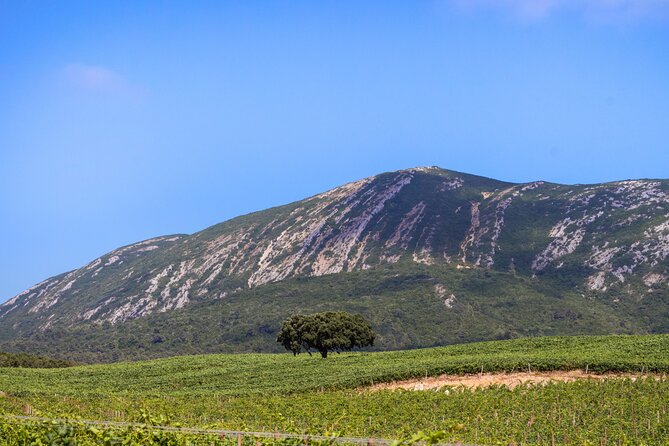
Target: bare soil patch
{"type": "Point", "coordinates": [510, 380]}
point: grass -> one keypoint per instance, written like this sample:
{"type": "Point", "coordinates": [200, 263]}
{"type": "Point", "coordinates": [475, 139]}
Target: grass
{"type": "Point", "coordinates": [244, 374]}
{"type": "Point", "coordinates": [311, 395]}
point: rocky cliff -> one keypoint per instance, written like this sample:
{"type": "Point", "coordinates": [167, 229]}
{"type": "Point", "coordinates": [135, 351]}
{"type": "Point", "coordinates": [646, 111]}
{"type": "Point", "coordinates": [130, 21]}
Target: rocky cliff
{"type": "Point", "coordinates": [605, 241]}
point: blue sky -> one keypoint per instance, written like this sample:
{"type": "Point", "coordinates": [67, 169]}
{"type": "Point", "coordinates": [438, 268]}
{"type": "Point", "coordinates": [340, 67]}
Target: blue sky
{"type": "Point", "coordinates": [120, 121]}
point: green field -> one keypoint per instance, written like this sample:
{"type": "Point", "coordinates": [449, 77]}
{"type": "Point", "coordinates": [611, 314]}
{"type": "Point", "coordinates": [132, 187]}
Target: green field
{"type": "Point", "coordinates": [311, 395]}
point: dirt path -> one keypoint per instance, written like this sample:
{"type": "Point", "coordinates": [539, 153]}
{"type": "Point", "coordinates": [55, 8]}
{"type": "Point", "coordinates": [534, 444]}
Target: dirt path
{"type": "Point", "coordinates": [510, 380]}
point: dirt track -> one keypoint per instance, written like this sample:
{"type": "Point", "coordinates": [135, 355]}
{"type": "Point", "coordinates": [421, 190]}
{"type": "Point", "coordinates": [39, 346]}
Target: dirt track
{"type": "Point", "coordinates": [510, 380]}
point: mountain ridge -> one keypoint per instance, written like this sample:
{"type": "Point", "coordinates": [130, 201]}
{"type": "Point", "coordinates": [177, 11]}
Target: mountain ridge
{"type": "Point", "coordinates": [608, 240]}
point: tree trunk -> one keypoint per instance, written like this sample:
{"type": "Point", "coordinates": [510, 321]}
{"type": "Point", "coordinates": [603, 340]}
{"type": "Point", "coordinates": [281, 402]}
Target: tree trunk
{"type": "Point", "coordinates": [324, 353]}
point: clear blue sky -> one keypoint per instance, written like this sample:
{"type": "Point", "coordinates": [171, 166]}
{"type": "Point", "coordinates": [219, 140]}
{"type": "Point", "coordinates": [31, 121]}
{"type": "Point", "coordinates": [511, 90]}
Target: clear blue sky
{"type": "Point", "coordinates": [124, 120]}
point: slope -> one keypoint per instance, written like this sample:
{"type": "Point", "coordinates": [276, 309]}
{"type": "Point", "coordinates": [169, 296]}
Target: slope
{"type": "Point", "coordinates": [495, 259]}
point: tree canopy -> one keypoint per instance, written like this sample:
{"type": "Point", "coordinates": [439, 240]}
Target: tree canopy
{"type": "Point", "coordinates": [323, 332]}
{"type": "Point", "coordinates": [25, 360]}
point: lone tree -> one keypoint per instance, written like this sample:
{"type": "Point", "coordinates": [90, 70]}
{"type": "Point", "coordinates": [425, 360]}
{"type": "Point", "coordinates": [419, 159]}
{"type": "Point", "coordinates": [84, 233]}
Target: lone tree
{"type": "Point", "coordinates": [330, 331]}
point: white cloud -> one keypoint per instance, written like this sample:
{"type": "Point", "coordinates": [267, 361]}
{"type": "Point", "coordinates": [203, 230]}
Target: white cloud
{"type": "Point", "coordinates": [99, 79]}
{"type": "Point", "coordinates": [530, 9]}
{"type": "Point", "coordinates": [610, 11]}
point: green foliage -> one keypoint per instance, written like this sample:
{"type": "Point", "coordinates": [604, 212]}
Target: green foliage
{"type": "Point", "coordinates": [264, 374]}
{"type": "Point", "coordinates": [430, 438]}
{"type": "Point", "coordinates": [623, 411]}
{"type": "Point", "coordinates": [264, 392]}
{"type": "Point", "coordinates": [73, 433]}
{"type": "Point", "coordinates": [399, 301]}
{"type": "Point", "coordinates": [330, 331]}
{"type": "Point", "coordinates": [31, 361]}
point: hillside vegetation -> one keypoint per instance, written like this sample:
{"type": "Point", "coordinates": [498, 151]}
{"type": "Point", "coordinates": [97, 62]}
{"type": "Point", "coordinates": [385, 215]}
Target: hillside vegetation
{"type": "Point", "coordinates": [310, 395]}
{"type": "Point", "coordinates": [429, 256]}
{"type": "Point", "coordinates": [408, 305]}
{"type": "Point", "coordinates": [31, 361]}
{"type": "Point", "coordinates": [247, 374]}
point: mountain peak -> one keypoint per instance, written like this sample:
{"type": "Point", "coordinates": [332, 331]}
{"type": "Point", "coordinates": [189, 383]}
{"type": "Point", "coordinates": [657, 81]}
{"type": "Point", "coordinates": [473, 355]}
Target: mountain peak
{"type": "Point", "coordinates": [605, 238]}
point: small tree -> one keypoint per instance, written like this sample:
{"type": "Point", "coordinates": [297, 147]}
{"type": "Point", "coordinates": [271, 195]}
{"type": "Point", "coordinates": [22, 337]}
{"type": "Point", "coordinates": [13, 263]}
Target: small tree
{"type": "Point", "coordinates": [330, 331]}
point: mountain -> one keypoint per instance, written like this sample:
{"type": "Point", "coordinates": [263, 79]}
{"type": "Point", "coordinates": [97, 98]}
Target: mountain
{"type": "Point", "coordinates": [430, 256]}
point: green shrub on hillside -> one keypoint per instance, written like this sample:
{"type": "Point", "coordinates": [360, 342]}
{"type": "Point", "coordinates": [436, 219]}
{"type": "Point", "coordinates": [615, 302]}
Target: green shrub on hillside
{"type": "Point", "coordinates": [31, 361]}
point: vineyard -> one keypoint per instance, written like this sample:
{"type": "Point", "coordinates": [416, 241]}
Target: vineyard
{"type": "Point", "coordinates": [308, 395]}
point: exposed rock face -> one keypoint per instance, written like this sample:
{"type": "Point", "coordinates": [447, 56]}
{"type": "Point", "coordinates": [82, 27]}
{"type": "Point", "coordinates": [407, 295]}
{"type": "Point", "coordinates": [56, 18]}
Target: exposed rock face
{"type": "Point", "coordinates": [609, 234]}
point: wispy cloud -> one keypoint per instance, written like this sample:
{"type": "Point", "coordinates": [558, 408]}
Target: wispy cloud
{"type": "Point", "coordinates": [606, 11]}
{"type": "Point", "coordinates": [93, 78]}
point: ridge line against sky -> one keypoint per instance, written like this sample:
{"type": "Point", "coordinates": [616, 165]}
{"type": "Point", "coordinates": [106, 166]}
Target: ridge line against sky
{"type": "Point", "coordinates": [124, 121]}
